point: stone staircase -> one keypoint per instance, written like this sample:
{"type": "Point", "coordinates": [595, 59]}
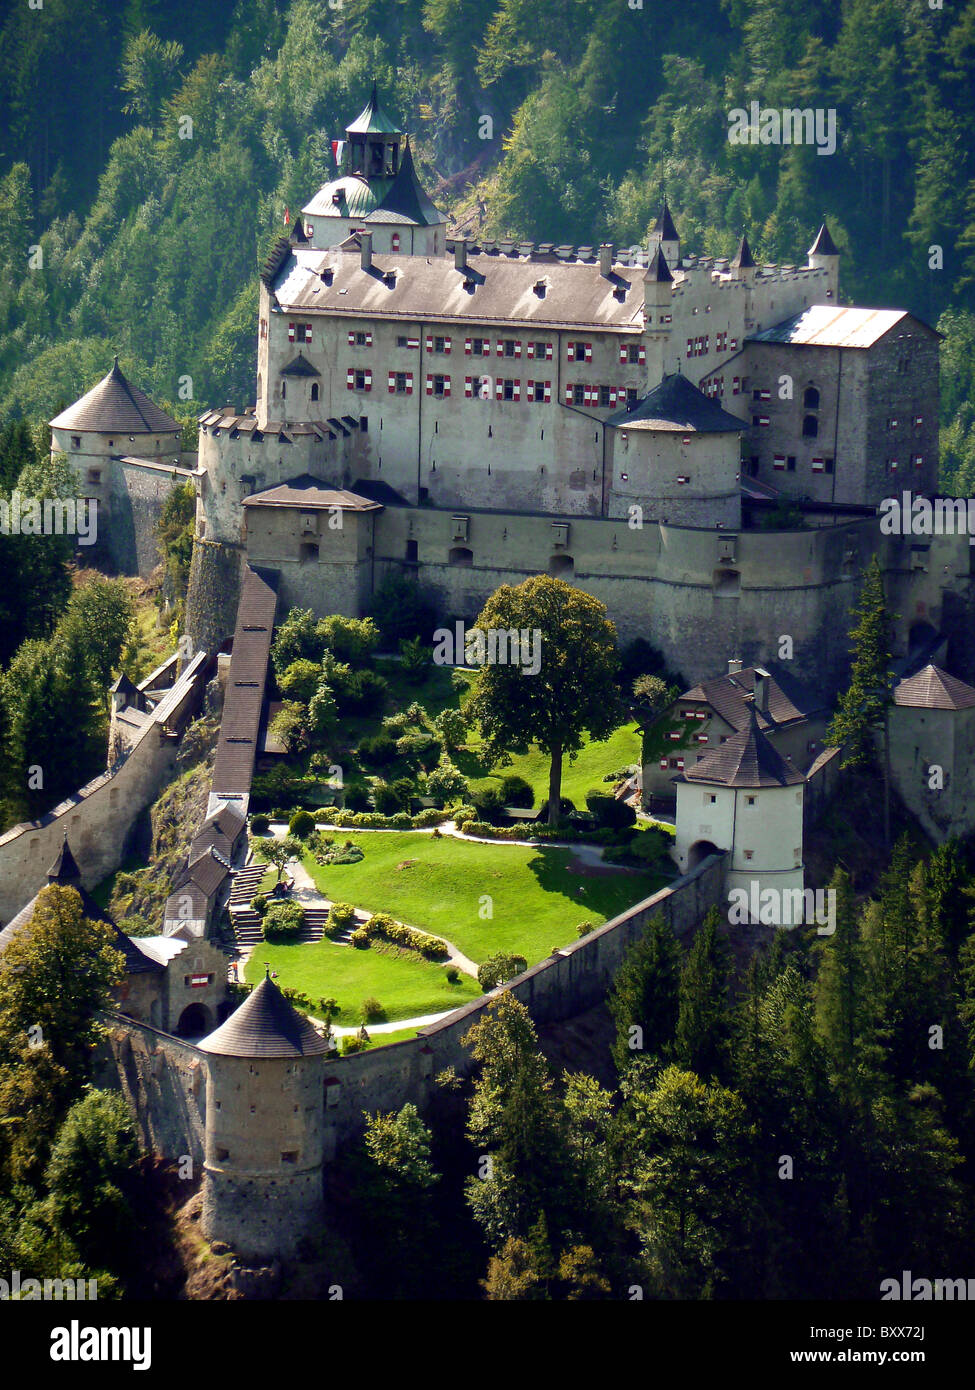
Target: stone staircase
{"type": "Point", "coordinates": [247, 924]}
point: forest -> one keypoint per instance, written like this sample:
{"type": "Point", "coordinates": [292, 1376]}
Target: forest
{"type": "Point", "coordinates": [139, 198]}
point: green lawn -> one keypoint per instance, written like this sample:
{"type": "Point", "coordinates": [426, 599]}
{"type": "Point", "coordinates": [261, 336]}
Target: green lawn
{"type": "Point", "coordinates": [536, 904]}
{"type": "Point", "coordinates": [407, 988]}
{"type": "Point", "coordinates": [593, 762]}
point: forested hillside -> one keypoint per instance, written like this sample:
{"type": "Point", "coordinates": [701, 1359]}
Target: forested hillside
{"type": "Point", "coordinates": [151, 151]}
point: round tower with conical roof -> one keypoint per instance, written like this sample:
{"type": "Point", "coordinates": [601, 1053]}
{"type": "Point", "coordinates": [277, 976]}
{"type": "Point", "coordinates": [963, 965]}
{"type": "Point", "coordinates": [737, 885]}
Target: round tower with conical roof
{"type": "Point", "coordinates": [665, 235]}
{"type": "Point", "coordinates": [824, 255]}
{"type": "Point", "coordinates": [262, 1179]}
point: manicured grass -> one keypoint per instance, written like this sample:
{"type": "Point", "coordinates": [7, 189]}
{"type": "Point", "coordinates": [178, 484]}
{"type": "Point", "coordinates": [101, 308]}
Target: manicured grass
{"type": "Point", "coordinates": [406, 988]}
{"type": "Point", "coordinates": [593, 762]}
{"type": "Point", "coordinates": [535, 903]}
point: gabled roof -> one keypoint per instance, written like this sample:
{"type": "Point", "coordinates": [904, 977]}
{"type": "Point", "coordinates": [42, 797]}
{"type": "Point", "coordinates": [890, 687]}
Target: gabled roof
{"type": "Point", "coordinates": [300, 366]}
{"type": "Point", "coordinates": [789, 701]}
{"type": "Point", "coordinates": [748, 759]}
{"type": "Point", "coordinates": [823, 245]}
{"type": "Point", "coordinates": [124, 686]}
{"type": "Point", "coordinates": [230, 820]}
{"type": "Point", "coordinates": [933, 688]}
{"type": "Point", "coordinates": [64, 874]}
{"type": "Point", "coordinates": [676, 404]}
{"type": "Point", "coordinates": [116, 405]}
{"type": "Point", "coordinates": [831, 325]}
{"type": "Point", "coordinates": [265, 1025]}
{"type": "Point", "coordinates": [664, 225]}
{"type": "Point", "coordinates": [207, 872]}
{"type": "Point", "coordinates": [306, 491]}
{"type": "Point", "coordinates": [233, 766]}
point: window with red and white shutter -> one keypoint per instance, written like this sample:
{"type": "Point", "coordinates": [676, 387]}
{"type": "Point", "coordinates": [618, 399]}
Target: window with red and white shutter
{"type": "Point", "coordinates": [568, 395]}
{"type": "Point", "coordinates": [350, 378]}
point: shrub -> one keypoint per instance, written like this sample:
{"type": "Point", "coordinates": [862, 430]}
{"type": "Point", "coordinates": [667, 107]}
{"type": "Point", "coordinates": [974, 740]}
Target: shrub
{"type": "Point", "coordinates": [377, 750]}
{"type": "Point", "coordinates": [488, 804]}
{"type": "Point", "coordinates": [451, 725]}
{"type": "Point", "coordinates": [351, 1044]}
{"type": "Point", "coordinates": [300, 680]}
{"type": "Point", "coordinates": [302, 824]}
{"type": "Point", "coordinates": [395, 723]}
{"type": "Point", "coordinates": [260, 823]}
{"type": "Point", "coordinates": [339, 854]}
{"type": "Point", "coordinates": [453, 975]}
{"type": "Point", "coordinates": [340, 918]}
{"type": "Point", "coordinates": [584, 928]}
{"type": "Point", "coordinates": [383, 926]}
{"type": "Point", "coordinates": [498, 969]}
{"type": "Point", "coordinates": [371, 1011]}
{"type": "Point", "coordinates": [416, 714]}
{"type": "Point", "coordinates": [420, 745]}
{"type": "Point", "coordinates": [283, 921]}
{"type": "Point", "coordinates": [355, 797]}
{"type": "Point", "coordinates": [350, 639]}
{"type": "Point", "coordinates": [430, 816]}
{"type": "Point", "coordinates": [515, 791]}
{"type": "Point", "coordinates": [135, 926]}
{"type": "Point", "coordinates": [402, 609]}
{"type": "Point", "coordinates": [364, 693]}
{"type": "Point", "coordinates": [416, 659]}
{"type": "Point", "coordinates": [386, 799]}
{"type": "Point", "coordinates": [402, 821]}
{"type": "Point", "coordinates": [616, 815]}
{"type": "Point", "coordinates": [259, 904]}
{"type": "Point", "coordinates": [446, 782]}
{"type": "Point", "coordinates": [290, 726]}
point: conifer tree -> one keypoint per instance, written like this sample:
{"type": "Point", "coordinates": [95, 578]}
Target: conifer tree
{"type": "Point", "coordinates": [701, 1038]}
{"type": "Point", "coordinates": [644, 996]}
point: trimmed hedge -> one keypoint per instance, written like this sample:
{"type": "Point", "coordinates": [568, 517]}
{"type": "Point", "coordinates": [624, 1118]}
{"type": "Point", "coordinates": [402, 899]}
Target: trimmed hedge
{"type": "Point", "coordinates": [383, 926]}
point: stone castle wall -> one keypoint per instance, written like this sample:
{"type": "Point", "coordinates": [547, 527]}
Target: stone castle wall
{"type": "Point", "coordinates": [164, 1082]}
{"type": "Point", "coordinates": [99, 818]}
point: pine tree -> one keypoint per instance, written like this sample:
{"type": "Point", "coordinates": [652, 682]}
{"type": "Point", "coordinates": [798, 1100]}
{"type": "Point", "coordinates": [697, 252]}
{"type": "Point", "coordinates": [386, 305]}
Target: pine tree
{"type": "Point", "coordinates": [644, 996]}
{"type": "Point", "coordinates": [703, 1024]}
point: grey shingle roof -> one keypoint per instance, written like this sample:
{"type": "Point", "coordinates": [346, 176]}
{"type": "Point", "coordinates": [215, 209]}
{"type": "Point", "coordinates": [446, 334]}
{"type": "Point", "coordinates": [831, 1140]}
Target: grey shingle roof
{"type": "Point", "coordinates": [664, 225]}
{"type": "Point", "coordinates": [265, 1025]}
{"type": "Point", "coordinates": [933, 688]}
{"type": "Point", "coordinates": [115, 404]}
{"type": "Point", "coordinates": [234, 764]}
{"type": "Point", "coordinates": [789, 701]}
{"type": "Point", "coordinates": [748, 759]}
{"type": "Point", "coordinates": [743, 258]}
{"type": "Point", "coordinates": [677, 405]}
{"type": "Point", "coordinates": [306, 491]}
{"type": "Point", "coordinates": [824, 244]}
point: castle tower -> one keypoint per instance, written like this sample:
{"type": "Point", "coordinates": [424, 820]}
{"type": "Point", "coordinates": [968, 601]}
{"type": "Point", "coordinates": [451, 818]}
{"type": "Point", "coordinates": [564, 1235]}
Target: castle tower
{"type": "Point", "coordinates": [376, 189]}
{"type": "Point", "coordinates": [746, 798]}
{"type": "Point", "coordinates": [657, 295]}
{"type": "Point", "coordinates": [664, 235]}
{"type": "Point", "coordinates": [743, 263]}
{"type": "Point", "coordinates": [823, 255]}
{"type": "Point", "coordinates": [262, 1182]}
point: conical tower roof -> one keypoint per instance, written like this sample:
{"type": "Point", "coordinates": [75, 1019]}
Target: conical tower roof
{"type": "Point", "coordinates": [406, 195]}
{"type": "Point", "coordinates": [744, 259]}
{"type": "Point", "coordinates": [824, 244]}
{"type": "Point", "coordinates": [372, 119]}
{"type": "Point", "coordinates": [65, 869]}
{"type": "Point", "coordinates": [115, 405]}
{"type": "Point", "coordinates": [265, 1025]}
{"type": "Point", "coordinates": [657, 271]}
{"type": "Point", "coordinates": [748, 759]}
{"type": "Point", "coordinates": [664, 225]}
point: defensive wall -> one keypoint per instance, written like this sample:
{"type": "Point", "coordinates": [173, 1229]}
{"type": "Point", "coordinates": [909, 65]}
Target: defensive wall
{"type": "Point", "coordinates": [99, 819]}
{"type": "Point", "coordinates": [164, 1078]}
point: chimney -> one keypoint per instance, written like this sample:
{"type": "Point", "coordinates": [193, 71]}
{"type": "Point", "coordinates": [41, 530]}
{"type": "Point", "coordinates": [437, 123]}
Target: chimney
{"type": "Point", "coordinates": [460, 253]}
{"type": "Point", "coordinates": [734, 666]}
{"type": "Point", "coordinates": [365, 252]}
{"type": "Point", "coordinates": [606, 258]}
{"type": "Point", "coordinates": [761, 690]}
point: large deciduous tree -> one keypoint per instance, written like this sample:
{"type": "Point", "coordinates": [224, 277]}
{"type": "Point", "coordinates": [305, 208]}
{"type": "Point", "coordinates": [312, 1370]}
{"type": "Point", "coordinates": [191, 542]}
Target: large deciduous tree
{"type": "Point", "coordinates": [573, 691]}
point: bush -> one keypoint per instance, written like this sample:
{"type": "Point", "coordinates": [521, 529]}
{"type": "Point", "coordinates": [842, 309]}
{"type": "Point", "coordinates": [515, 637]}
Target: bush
{"type": "Point", "coordinates": [371, 1011]}
{"type": "Point", "coordinates": [610, 813]}
{"type": "Point", "coordinates": [488, 804]}
{"type": "Point", "coordinates": [349, 639]}
{"type": "Point", "coordinates": [135, 926]}
{"type": "Point", "coordinates": [283, 921]}
{"type": "Point", "coordinates": [453, 975]}
{"type": "Point", "coordinates": [377, 750]}
{"type": "Point", "coordinates": [351, 1044]}
{"type": "Point", "coordinates": [515, 791]}
{"type": "Point", "coordinates": [300, 680]}
{"type": "Point", "coordinates": [383, 926]}
{"type": "Point", "coordinates": [355, 797]}
{"type": "Point", "coordinates": [339, 854]}
{"type": "Point", "coordinates": [451, 725]}
{"type": "Point", "coordinates": [365, 693]}
{"type": "Point", "coordinates": [420, 745]}
{"type": "Point", "coordinates": [395, 723]}
{"type": "Point", "coordinates": [302, 824]}
{"type": "Point", "coordinates": [260, 823]}
{"type": "Point", "coordinates": [259, 904]}
{"type": "Point", "coordinates": [498, 969]}
{"type": "Point", "coordinates": [416, 659]}
{"type": "Point", "coordinates": [359, 939]}
{"type": "Point", "coordinates": [446, 782]}
{"type": "Point", "coordinates": [340, 918]}
{"type": "Point", "coordinates": [386, 799]}
{"type": "Point", "coordinates": [402, 609]}
{"type": "Point", "coordinates": [584, 928]}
